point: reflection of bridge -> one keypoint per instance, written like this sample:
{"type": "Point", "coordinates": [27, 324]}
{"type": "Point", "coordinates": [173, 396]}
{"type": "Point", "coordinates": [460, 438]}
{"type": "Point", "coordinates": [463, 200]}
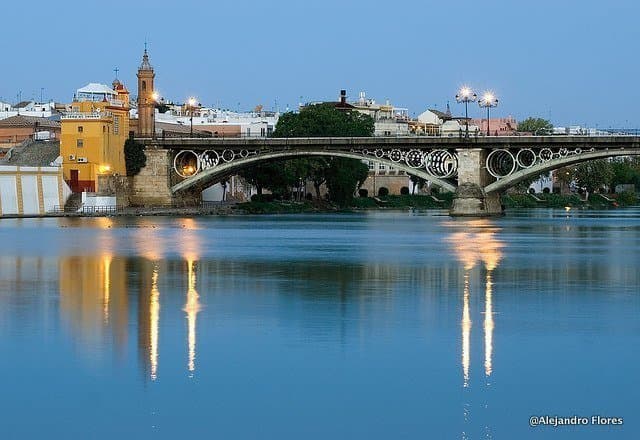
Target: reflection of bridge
{"type": "Point", "coordinates": [477, 169]}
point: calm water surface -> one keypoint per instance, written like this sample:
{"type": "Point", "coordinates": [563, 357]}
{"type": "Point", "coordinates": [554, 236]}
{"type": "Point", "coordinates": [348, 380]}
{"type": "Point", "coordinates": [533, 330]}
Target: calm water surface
{"type": "Point", "coordinates": [364, 326]}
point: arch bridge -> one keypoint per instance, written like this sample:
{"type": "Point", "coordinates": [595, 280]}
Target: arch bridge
{"type": "Point", "coordinates": [477, 169]}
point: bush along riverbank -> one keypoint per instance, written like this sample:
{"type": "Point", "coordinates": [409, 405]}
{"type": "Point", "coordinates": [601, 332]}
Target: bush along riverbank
{"type": "Point", "coordinates": [267, 205]}
{"type": "Point", "coordinates": [595, 201]}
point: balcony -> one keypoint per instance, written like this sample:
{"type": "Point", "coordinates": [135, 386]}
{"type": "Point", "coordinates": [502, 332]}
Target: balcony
{"type": "Point", "coordinates": [86, 115]}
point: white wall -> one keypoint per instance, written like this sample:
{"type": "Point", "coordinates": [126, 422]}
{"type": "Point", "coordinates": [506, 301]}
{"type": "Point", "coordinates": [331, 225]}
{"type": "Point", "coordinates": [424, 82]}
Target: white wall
{"type": "Point", "coordinates": [30, 203]}
{"type": "Point", "coordinates": [8, 195]}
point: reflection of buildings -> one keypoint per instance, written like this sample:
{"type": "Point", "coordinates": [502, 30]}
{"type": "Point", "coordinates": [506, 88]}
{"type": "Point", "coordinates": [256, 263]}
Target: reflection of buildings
{"type": "Point", "coordinates": [94, 297]}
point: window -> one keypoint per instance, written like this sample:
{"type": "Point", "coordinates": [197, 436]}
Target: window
{"type": "Point", "coordinates": [371, 165]}
{"type": "Point", "coordinates": [80, 143]}
{"type": "Point", "coordinates": [382, 167]}
{"type": "Point", "coordinates": [80, 129]}
{"type": "Point", "coordinates": [116, 124]}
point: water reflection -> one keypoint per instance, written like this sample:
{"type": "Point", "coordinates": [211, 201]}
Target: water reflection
{"type": "Point", "coordinates": [191, 245]}
{"type": "Point", "coordinates": [192, 307]}
{"type": "Point", "coordinates": [154, 318]}
{"type": "Point", "coordinates": [93, 297]}
{"type": "Point", "coordinates": [473, 242]}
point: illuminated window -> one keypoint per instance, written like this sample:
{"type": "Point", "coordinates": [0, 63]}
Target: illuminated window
{"type": "Point", "coordinates": [80, 143]}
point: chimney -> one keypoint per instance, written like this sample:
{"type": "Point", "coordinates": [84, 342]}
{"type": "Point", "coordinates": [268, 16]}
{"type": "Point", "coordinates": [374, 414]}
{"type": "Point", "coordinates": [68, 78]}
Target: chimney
{"type": "Point", "coordinates": [343, 96]}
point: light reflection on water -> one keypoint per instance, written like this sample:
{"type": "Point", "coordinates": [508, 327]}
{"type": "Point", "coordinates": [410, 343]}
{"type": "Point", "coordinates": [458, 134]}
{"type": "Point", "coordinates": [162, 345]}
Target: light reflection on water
{"type": "Point", "coordinates": [370, 320]}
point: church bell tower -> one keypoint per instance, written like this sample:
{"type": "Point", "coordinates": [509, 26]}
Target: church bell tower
{"type": "Point", "coordinates": [146, 98]}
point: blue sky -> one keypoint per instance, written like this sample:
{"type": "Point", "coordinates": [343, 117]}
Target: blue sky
{"type": "Point", "coordinates": [574, 62]}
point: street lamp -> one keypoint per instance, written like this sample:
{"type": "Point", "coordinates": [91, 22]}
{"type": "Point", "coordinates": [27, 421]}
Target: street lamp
{"type": "Point", "coordinates": [488, 100]}
{"type": "Point", "coordinates": [192, 103]}
{"type": "Point", "coordinates": [466, 95]}
{"type": "Point", "coordinates": [155, 96]}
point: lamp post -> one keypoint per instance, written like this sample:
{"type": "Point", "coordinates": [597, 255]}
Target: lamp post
{"type": "Point", "coordinates": [466, 95]}
{"type": "Point", "coordinates": [487, 101]}
{"type": "Point", "coordinates": [155, 96]}
{"type": "Point", "coordinates": [192, 104]}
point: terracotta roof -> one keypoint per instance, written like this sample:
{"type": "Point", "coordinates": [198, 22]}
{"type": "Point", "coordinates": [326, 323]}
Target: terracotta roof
{"type": "Point", "coordinates": [28, 121]}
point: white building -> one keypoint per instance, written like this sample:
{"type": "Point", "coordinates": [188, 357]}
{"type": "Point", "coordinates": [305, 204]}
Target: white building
{"type": "Point", "coordinates": [219, 122]}
{"type": "Point", "coordinates": [27, 108]}
{"type": "Point", "coordinates": [388, 120]}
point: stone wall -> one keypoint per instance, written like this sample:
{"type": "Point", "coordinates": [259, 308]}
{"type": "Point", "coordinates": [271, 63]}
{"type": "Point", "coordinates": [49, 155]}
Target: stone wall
{"type": "Point", "coordinates": [151, 186]}
{"type": "Point", "coordinates": [115, 186]}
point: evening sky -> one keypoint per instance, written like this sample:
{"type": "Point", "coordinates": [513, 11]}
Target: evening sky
{"type": "Point", "coordinates": [574, 62]}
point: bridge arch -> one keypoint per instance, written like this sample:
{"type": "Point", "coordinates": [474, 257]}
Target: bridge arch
{"type": "Point", "coordinates": [512, 179]}
{"type": "Point", "coordinates": [215, 174]}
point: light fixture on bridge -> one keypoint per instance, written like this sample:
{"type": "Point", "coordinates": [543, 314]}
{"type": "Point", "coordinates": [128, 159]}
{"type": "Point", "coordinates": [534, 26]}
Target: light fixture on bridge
{"type": "Point", "coordinates": [186, 163]}
{"type": "Point", "coordinates": [466, 95]}
{"type": "Point", "coordinates": [487, 101]}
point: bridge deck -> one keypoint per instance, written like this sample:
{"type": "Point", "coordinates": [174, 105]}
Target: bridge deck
{"type": "Point", "coordinates": [597, 142]}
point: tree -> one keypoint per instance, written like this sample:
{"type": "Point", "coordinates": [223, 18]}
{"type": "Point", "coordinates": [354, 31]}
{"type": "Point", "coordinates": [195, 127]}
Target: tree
{"type": "Point", "coordinates": [342, 176]}
{"type": "Point", "coordinates": [323, 120]}
{"type": "Point", "coordinates": [625, 171]}
{"type": "Point", "coordinates": [535, 126]}
{"type": "Point", "coordinates": [417, 182]}
{"type": "Point", "coordinates": [593, 174]}
{"type": "Point", "coordinates": [134, 157]}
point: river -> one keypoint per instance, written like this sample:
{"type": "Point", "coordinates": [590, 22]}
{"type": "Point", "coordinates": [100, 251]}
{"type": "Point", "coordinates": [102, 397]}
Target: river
{"type": "Point", "coordinates": [383, 325]}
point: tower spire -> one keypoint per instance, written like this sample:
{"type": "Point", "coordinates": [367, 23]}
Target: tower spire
{"type": "Point", "coordinates": [145, 59]}
{"type": "Point", "coordinates": [146, 102]}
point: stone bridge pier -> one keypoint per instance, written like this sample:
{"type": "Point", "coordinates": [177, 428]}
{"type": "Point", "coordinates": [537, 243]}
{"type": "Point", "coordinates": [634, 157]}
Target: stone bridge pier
{"type": "Point", "coordinates": [152, 185]}
{"type": "Point", "coordinates": [471, 200]}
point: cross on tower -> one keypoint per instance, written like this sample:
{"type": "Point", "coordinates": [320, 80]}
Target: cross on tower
{"type": "Point", "coordinates": [116, 70]}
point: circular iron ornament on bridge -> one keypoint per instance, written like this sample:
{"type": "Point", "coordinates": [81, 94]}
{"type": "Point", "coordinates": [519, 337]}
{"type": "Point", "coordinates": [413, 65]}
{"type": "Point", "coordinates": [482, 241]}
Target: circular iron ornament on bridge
{"type": "Point", "coordinates": [395, 155]}
{"type": "Point", "coordinates": [441, 163]}
{"type": "Point", "coordinates": [578, 150]}
{"type": "Point", "coordinates": [244, 153]}
{"type": "Point", "coordinates": [209, 159]}
{"type": "Point", "coordinates": [545, 155]}
{"type": "Point", "coordinates": [228, 155]}
{"type": "Point", "coordinates": [526, 158]}
{"type": "Point", "coordinates": [186, 163]}
{"type": "Point", "coordinates": [414, 159]}
{"type": "Point", "coordinates": [563, 152]}
{"type": "Point", "coordinates": [500, 163]}
{"type": "Point", "coordinates": [379, 153]}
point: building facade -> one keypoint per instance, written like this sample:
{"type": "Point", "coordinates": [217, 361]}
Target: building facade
{"type": "Point", "coordinates": [93, 135]}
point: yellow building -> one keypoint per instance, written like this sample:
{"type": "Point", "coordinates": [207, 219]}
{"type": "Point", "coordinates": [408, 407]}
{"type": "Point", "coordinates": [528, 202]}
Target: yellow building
{"type": "Point", "coordinates": [93, 135]}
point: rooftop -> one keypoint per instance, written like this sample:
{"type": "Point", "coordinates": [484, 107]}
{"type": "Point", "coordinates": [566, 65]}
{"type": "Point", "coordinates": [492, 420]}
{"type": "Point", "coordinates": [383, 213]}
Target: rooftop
{"type": "Point", "coordinates": [28, 121]}
{"type": "Point", "coordinates": [33, 154]}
